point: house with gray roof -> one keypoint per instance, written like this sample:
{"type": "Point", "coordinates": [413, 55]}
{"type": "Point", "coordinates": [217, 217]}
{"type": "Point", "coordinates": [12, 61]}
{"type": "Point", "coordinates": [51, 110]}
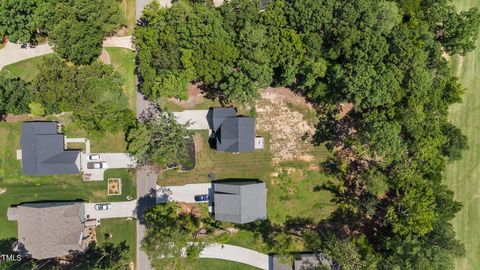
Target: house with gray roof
{"type": "Point", "coordinates": [239, 200]}
{"type": "Point", "coordinates": [43, 150]}
{"type": "Point", "coordinates": [232, 133]}
{"type": "Point", "coordinates": [49, 230]}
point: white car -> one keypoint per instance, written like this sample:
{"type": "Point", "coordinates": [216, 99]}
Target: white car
{"type": "Point", "coordinates": [102, 206]}
{"type": "Point", "coordinates": [93, 157]}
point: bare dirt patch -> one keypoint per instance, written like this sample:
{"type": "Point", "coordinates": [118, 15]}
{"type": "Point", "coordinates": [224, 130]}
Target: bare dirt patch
{"type": "Point", "coordinates": [290, 131]}
{"type": "Point", "coordinates": [22, 118]}
{"type": "Point", "coordinates": [195, 96]}
{"type": "Point", "coordinates": [114, 186]}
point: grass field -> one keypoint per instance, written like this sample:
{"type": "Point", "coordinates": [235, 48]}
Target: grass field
{"type": "Point", "coordinates": [123, 60]}
{"type": "Point", "coordinates": [463, 176]}
{"type": "Point", "coordinates": [26, 69]}
{"type": "Point", "coordinates": [121, 230]}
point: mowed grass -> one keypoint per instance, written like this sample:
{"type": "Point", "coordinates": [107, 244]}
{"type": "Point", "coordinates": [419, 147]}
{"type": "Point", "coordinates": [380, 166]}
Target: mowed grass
{"type": "Point", "coordinates": [212, 264]}
{"type": "Point", "coordinates": [290, 185]}
{"type": "Point", "coordinates": [26, 69]}
{"type": "Point", "coordinates": [463, 176]}
{"type": "Point", "coordinates": [120, 230]}
{"type": "Point", "coordinates": [128, 10]}
{"type": "Point", "coordinates": [22, 188]}
{"type": "Point", "coordinates": [123, 60]}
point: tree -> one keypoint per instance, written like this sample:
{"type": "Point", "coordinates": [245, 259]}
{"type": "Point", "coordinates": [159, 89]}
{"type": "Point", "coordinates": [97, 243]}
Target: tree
{"type": "Point", "coordinates": [93, 93]}
{"type": "Point", "coordinates": [76, 28]}
{"type": "Point", "coordinates": [77, 41]}
{"type": "Point", "coordinates": [108, 256]}
{"type": "Point", "coordinates": [167, 239]}
{"type": "Point", "coordinates": [17, 20]}
{"type": "Point", "coordinates": [159, 139]}
{"type": "Point", "coordinates": [15, 95]}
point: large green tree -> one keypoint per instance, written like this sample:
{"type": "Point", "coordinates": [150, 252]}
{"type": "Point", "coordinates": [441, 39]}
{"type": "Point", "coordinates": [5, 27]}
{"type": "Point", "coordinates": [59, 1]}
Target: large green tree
{"type": "Point", "coordinates": [93, 93]}
{"type": "Point", "coordinates": [168, 237]}
{"type": "Point", "coordinates": [18, 20]}
{"type": "Point", "coordinates": [159, 139]}
{"type": "Point", "coordinates": [15, 96]}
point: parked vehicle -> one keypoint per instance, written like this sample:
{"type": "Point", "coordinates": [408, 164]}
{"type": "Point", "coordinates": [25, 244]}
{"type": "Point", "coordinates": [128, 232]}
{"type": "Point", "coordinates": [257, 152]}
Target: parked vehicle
{"type": "Point", "coordinates": [93, 157]}
{"type": "Point", "coordinates": [201, 198]}
{"type": "Point", "coordinates": [102, 206]}
{"type": "Point", "coordinates": [97, 165]}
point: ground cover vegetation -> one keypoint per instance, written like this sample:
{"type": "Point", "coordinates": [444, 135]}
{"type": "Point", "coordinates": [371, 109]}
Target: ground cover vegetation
{"type": "Point", "coordinates": [384, 58]}
{"type": "Point", "coordinates": [75, 28]}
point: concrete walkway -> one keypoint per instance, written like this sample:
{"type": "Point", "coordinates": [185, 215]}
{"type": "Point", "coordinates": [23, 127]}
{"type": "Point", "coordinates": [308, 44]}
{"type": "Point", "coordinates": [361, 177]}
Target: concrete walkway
{"type": "Point", "coordinates": [236, 254]}
{"type": "Point", "coordinates": [13, 53]}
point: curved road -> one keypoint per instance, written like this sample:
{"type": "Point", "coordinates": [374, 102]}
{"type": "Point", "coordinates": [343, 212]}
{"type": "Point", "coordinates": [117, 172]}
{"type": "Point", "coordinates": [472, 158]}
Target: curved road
{"type": "Point", "coordinates": [13, 52]}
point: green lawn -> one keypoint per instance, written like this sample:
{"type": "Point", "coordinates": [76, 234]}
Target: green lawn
{"type": "Point", "coordinates": [26, 69]}
{"type": "Point", "coordinates": [124, 62]}
{"type": "Point", "coordinates": [128, 11]}
{"type": "Point", "coordinates": [463, 176]}
{"type": "Point", "coordinates": [212, 264]}
{"type": "Point", "coordinates": [120, 230]}
{"type": "Point", "coordinates": [290, 192]}
{"type": "Point", "coordinates": [58, 187]}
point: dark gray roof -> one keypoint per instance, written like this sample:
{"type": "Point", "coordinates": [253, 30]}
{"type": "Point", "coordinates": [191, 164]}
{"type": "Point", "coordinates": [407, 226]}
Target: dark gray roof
{"type": "Point", "coordinates": [48, 230]}
{"type": "Point", "coordinates": [43, 150]}
{"type": "Point", "coordinates": [236, 134]}
{"type": "Point", "coordinates": [218, 115]}
{"type": "Point", "coordinates": [240, 201]}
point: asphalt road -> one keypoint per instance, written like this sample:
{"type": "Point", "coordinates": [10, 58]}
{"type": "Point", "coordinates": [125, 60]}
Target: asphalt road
{"type": "Point", "coordinates": [146, 185]}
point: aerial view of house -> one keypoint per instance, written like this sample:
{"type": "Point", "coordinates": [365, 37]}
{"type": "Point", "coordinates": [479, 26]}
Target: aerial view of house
{"type": "Point", "coordinates": [43, 150]}
{"type": "Point", "coordinates": [239, 134]}
{"type": "Point", "coordinates": [240, 201]}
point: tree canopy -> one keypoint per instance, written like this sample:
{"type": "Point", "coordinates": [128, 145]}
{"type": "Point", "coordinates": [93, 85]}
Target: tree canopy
{"type": "Point", "coordinates": [15, 96]}
{"type": "Point", "coordinates": [382, 57]}
{"type": "Point", "coordinates": [168, 236]}
{"type": "Point", "coordinates": [93, 93]}
{"type": "Point", "coordinates": [75, 28]}
{"type": "Point", "coordinates": [159, 139]}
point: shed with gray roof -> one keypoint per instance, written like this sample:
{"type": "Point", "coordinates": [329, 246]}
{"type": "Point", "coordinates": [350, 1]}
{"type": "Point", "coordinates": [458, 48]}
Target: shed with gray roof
{"type": "Point", "coordinates": [232, 133]}
{"type": "Point", "coordinates": [49, 230]}
{"type": "Point", "coordinates": [239, 200]}
{"type": "Point", "coordinates": [43, 151]}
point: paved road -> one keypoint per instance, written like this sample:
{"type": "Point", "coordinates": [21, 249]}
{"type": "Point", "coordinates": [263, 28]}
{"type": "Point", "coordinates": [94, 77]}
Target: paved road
{"type": "Point", "coordinates": [146, 185]}
{"type": "Point", "coordinates": [117, 210]}
{"type": "Point", "coordinates": [13, 53]}
{"type": "Point", "coordinates": [198, 119]}
{"type": "Point", "coordinates": [185, 193]}
{"type": "Point", "coordinates": [236, 254]}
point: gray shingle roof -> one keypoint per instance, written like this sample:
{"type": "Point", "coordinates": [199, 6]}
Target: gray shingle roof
{"type": "Point", "coordinates": [48, 230]}
{"type": "Point", "coordinates": [232, 133]}
{"type": "Point", "coordinates": [218, 115]}
{"type": "Point", "coordinates": [240, 201]}
{"type": "Point", "coordinates": [43, 150]}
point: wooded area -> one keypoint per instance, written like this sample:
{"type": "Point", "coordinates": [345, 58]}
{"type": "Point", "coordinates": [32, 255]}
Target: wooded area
{"type": "Point", "coordinates": [386, 59]}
